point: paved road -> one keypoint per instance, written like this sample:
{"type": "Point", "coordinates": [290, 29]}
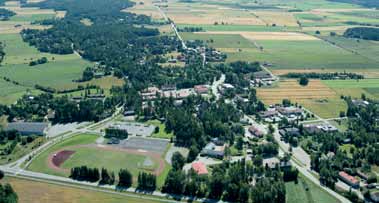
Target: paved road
{"type": "Point", "coordinates": [215, 84]}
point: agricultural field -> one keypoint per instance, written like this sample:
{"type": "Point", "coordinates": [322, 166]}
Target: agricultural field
{"type": "Point", "coordinates": [83, 150]}
{"type": "Point", "coordinates": [307, 192]}
{"type": "Point", "coordinates": [58, 72]}
{"type": "Point", "coordinates": [355, 88]}
{"type": "Point", "coordinates": [29, 191]}
{"type": "Point", "coordinates": [316, 96]}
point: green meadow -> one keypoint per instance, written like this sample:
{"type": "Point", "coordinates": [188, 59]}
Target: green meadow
{"type": "Point", "coordinates": [59, 72]}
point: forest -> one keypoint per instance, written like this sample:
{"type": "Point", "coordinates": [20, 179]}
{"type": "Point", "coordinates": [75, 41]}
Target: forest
{"type": "Point", "coordinates": [366, 33]}
{"type": "Point", "coordinates": [5, 14]}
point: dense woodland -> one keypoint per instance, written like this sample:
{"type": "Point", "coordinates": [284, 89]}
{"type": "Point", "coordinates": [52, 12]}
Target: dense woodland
{"type": "Point", "coordinates": [7, 194]}
{"type": "Point", "coordinates": [366, 33]}
{"type": "Point", "coordinates": [5, 14]}
{"type": "Point", "coordinates": [66, 110]}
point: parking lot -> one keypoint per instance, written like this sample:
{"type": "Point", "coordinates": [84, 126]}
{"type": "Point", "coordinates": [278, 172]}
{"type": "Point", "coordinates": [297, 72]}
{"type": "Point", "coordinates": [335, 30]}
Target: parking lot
{"type": "Point", "coordinates": [147, 144]}
{"type": "Point", "coordinates": [135, 129]}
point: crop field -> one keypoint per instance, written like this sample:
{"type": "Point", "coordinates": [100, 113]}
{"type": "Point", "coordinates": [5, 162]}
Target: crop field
{"type": "Point", "coordinates": [82, 150]}
{"type": "Point", "coordinates": [355, 88]}
{"type": "Point", "coordinates": [316, 96]}
{"type": "Point", "coordinates": [146, 7]}
{"type": "Point", "coordinates": [29, 191]}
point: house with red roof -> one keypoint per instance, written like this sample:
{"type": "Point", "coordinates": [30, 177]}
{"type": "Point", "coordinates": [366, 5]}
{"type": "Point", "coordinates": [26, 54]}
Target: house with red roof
{"type": "Point", "coordinates": [350, 180]}
{"type": "Point", "coordinates": [200, 168]}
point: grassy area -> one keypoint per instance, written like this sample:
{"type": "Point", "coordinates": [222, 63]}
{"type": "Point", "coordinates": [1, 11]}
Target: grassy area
{"type": "Point", "coordinates": [346, 148]}
{"type": "Point", "coordinates": [95, 157]}
{"type": "Point", "coordinates": [39, 164]}
{"type": "Point", "coordinates": [20, 150]}
{"type": "Point", "coordinates": [58, 72]}
{"type": "Point", "coordinates": [162, 130]}
{"type": "Point", "coordinates": [297, 193]}
{"type": "Point", "coordinates": [31, 17]}
{"type": "Point", "coordinates": [355, 88]}
{"type": "Point", "coordinates": [112, 160]}
{"type": "Point", "coordinates": [285, 54]}
{"type": "Point", "coordinates": [37, 192]}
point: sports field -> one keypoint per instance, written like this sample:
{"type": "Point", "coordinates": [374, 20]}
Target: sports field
{"type": "Point", "coordinates": [39, 192]}
{"type": "Point", "coordinates": [82, 150]}
{"type": "Point", "coordinates": [316, 96]}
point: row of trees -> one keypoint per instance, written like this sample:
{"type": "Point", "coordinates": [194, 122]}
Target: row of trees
{"type": "Point", "coordinates": [146, 181]}
{"type": "Point", "coordinates": [116, 133]}
{"type": "Point", "coordinates": [5, 14]}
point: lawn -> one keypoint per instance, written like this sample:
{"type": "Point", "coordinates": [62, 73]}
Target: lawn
{"type": "Point", "coordinates": [39, 192]}
{"type": "Point", "coordinates": [162, 130]}
{"type": "Point", "coordinates": [111, 160]}
{"type": "Point", "coordinates": [346, 148]}
{"type": "Point", "coordinates": [296, 193]}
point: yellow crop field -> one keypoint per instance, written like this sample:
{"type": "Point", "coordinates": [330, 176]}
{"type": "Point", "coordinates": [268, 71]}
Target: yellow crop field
{"type": "Point", "coordinates": [316, 96]}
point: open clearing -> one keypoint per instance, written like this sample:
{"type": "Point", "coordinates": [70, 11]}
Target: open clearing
{"type": "Point", "coordinates": [316, 96]}
{"type": "Point", "coordinates": [39, 192]}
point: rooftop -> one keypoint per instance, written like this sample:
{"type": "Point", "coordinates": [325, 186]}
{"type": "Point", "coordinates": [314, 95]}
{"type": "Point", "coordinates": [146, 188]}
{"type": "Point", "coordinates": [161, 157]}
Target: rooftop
{"type": "Point", "coordinates": [200, 168]}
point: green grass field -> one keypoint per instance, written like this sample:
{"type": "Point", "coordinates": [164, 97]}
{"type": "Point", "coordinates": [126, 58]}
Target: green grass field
{"type": "Point", "coordinates": [162, 130]}
{"type": "Point", "coordinates": [31, 17]}
{"type": "Point", "coordinates": [37, 192]}
{"type": "Point", "coordinates": [311, 54]}
{"type": "Point", "coordinates": [296, 193]}
{"type": "Point", "coordinates": [355, 88]}
{"type": "Point", "coordinates": [112, 160]}
{"type": "Point", "coordinates": [58, 72]}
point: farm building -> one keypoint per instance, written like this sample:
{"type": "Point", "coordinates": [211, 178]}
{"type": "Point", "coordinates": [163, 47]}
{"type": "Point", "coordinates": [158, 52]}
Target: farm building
{"type": "Point", "coordinates": [350, 180]}
{"type": "Point", "coordinates": [290, 111]}
{"type": "Point", "coordinates": [200, 168]}
{"type": "Point", "coordinates": [269, 114]}
{"type": "Point", "coordinates": [319, 128]}
{"type": "Point", "coordinates": [29, 128]}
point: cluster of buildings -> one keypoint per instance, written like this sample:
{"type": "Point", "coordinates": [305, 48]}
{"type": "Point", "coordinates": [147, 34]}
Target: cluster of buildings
{"type": "Point", "coordinates": [319, 128]}
{"type": "Point", "coordinates": [262, 78]}
{"type": "Point", "coordinates": [152, 93]}
{"type": "Point", "coordinates": [278, 112]}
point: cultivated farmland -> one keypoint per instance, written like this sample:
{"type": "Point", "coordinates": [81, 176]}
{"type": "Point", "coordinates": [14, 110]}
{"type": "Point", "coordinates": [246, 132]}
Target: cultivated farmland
{"type": "Point", "coordinates": [316, 96]}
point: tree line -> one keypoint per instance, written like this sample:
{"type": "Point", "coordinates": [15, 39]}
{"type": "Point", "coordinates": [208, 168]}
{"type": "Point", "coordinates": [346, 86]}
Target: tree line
{"type": "Point", "coordinates": [366, 33]}
{"type": "Point", "coordinates": [145, 181]}
{"type": "Point", "coordinates": [5, 14]}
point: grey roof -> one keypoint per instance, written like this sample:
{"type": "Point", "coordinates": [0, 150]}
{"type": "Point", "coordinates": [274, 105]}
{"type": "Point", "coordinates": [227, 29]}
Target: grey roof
{"type": "Point", "coordinates": [28, 127]}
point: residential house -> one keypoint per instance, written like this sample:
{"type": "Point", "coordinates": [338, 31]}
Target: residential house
{"type": "Point", "coordinates": [289, 131]}
{"type": "Point", "coordinates": [255, 132]}
{"type": "Point", "coordinates": [214, 150]}
{"type": "Point", "coordinates": [201, 89]}
{"type": "Point", "coordinates": [29, 128]}
{"type": "Point", "coordinates": [350, 180]}
{"type": "Point", "coordinates": [200, 168]}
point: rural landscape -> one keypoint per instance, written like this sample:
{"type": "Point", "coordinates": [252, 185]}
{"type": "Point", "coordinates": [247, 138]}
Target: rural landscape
{"type": "Point", "coordinates": [264, 101]}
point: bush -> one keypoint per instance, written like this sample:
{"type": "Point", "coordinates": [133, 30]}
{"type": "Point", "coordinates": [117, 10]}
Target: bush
{"type": "Point", "coordinates": [303, 81]}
